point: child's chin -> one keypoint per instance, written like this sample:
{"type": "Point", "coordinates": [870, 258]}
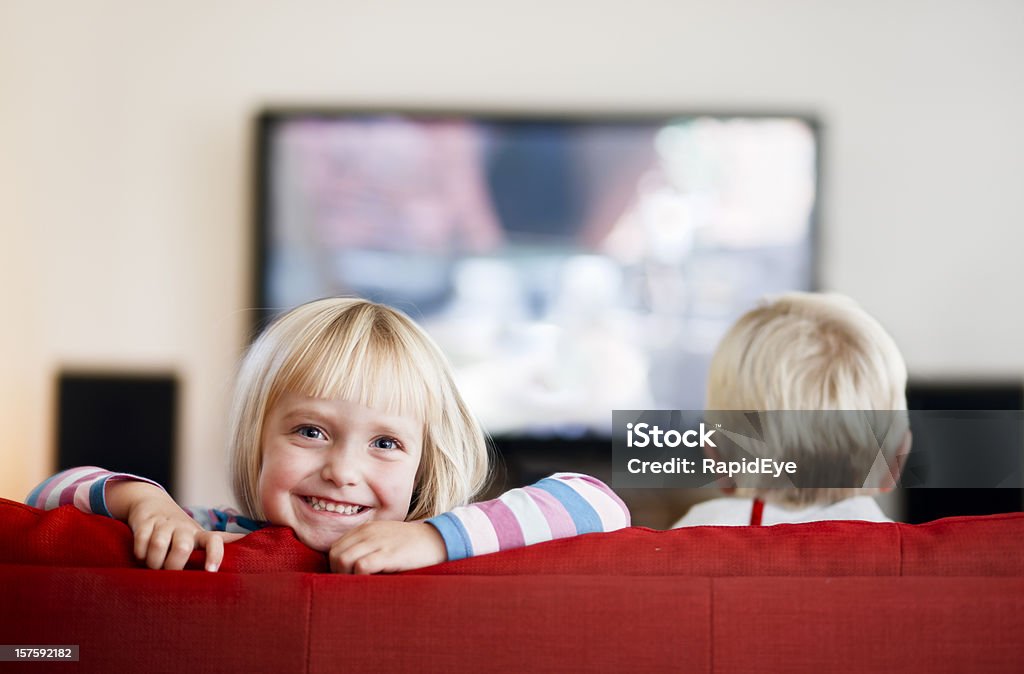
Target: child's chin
{"type": "Point", "coordinates": [321, 541]}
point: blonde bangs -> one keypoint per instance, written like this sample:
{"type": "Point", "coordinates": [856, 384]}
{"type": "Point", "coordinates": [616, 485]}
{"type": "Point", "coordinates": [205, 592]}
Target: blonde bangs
{"type": "Point", "coordinates": [362, 356]}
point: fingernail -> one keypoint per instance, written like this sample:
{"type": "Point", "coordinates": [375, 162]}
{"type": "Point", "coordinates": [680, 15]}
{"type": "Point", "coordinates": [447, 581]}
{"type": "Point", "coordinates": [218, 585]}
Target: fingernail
{"type": "Point", "coordinates": [211, 567]}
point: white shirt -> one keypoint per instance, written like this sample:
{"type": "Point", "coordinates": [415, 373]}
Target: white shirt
{"type": "Point", "coordinates": [735, 512]}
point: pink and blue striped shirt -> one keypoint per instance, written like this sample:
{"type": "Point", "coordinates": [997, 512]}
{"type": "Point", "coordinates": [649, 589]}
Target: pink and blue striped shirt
{"type": "Point", "coordinates": [559, 506]}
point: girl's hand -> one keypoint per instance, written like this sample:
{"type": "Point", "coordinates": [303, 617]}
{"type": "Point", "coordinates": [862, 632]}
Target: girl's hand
{"type": "Point", "coordinates": [388, 547]}
{"type": "Point", "coordinates": [164, 534]}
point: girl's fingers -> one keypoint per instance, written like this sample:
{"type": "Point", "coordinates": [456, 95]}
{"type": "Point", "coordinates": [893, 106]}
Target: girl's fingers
{"type": "Point", "coordinates": [344, 560]}
{"type": "Point", "coordinates": [159, 542]}
{"type": "Point", "coordinates": [142, 536]}
{"type": "Point", "coordinates": [168, 545]}
{"type": "Point", "coordinates": [371, 563]}
{"type": "Point", "coordinates": [182, 543]}
{"type": "Point", "coordinates": [349, 540]}
{"type": "Point", "coordinates": [214, 545]}
{"type": "Point", "coordinates": [340, 556]}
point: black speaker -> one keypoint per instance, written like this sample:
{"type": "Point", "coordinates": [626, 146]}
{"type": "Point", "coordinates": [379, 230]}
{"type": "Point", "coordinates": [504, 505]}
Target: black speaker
{"type": "Point", "coordinates": [122, 422]}
{"type": "Point", "coordinates": [925, 505]}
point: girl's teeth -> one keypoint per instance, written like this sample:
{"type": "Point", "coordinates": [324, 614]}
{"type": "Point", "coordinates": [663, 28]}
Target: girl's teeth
{"type": "Point", "coordinates": [319, 504]}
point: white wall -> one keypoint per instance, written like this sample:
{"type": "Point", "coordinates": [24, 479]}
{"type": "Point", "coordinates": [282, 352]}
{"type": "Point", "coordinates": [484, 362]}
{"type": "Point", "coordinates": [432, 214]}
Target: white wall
{"type": "Point", "coordinates": [124, 160]}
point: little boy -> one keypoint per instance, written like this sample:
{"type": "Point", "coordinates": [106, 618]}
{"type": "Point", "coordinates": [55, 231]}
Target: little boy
{"type": "Point", "coordinates": [810, 351]}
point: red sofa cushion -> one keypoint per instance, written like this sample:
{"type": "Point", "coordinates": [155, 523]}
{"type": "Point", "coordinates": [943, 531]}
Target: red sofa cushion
{"type": "Point", "coordinates": [131, 620]}
{"type": "Point", "coordinates": [128, 620]}
{"type": "Point", "coordinates": [868, 624]}
{"type": "Point", "coordinates": [509, 624]}
{"type": "Point", "coordinates": [959, 546]}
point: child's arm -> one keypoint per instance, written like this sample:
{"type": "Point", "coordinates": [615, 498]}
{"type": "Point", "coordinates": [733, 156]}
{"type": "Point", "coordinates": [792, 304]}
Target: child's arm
{"type": "Point", "coordinates": [563, 505]}
{"type": "Point", "coordinates": [164, 534]}
{"type": "Point", "coordinates": [84, 487]}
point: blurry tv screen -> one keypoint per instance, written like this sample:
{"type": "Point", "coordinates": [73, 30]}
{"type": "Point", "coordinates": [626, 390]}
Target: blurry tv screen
{"type": "Point", "coordinates": [566, 266]}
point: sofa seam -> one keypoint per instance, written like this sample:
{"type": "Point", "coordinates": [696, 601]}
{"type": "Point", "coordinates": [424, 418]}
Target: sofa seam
{"type": "Point", "coordinates": [711, 624]}
{"type": "Point", "coordinates": [309, 621]}
{"type": "Point", "coordinates": [899, 539]}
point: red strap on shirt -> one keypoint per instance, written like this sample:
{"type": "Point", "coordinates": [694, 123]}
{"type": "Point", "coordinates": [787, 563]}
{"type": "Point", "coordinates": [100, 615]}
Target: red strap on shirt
{"type": "Point", "coordinates": [755, 512]}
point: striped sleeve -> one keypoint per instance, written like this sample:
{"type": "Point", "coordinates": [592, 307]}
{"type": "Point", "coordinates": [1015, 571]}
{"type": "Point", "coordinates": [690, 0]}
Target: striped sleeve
{"type": "Point", "coordinates": [559, 506]}
{"type": "Point", "coordinates": [83, 487]}
{"type": "Point", "coordinates": [228, 519]}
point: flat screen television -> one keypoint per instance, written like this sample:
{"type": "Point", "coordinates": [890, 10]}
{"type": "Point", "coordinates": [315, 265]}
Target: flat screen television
{"type": "Point", "coordinates": [567, 265]}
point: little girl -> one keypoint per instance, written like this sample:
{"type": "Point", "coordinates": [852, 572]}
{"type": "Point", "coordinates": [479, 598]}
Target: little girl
{"type": "Point", "coordinates": [347, 427]}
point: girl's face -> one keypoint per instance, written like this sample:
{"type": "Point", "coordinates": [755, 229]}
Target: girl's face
{"type": "Point", "coordinates": [330, 465]}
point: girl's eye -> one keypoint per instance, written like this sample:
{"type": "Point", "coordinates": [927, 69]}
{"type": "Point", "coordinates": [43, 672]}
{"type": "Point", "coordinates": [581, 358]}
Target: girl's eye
{"type": "Point", "coordinates": [386, 443]}
{"type": "Point", "coordinates": [311, 432]}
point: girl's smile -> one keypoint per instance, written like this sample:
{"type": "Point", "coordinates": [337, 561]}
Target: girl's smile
{"type": "Point", "coordinates": [330, 465]}
{"type": "Point", "coordinates": [320, 505]}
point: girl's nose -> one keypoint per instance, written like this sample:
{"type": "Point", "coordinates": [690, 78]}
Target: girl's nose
{"type": "Point", "coordinates": [341, 467]}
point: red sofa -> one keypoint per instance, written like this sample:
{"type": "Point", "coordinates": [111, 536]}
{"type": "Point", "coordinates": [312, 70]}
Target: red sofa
{"type": "Point", "coordinates": [830, 596]}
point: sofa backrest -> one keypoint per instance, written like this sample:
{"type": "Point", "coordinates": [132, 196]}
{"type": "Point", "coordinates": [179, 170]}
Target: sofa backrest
{"type": "Point", "coordinates": [959, 546]}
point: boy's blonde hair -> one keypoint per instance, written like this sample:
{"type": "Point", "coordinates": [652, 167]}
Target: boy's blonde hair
{"type": "Point", "coordinates": [814, 351]}
{"type": "Point", "coordinates": [367, 353]}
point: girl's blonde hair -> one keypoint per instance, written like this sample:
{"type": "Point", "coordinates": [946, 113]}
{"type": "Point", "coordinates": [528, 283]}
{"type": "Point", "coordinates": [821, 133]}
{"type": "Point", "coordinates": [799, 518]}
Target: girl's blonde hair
{"type": "Point", "coordinates": [814, 351]}
{"type": "Point", "coordinates": [367, 353]}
